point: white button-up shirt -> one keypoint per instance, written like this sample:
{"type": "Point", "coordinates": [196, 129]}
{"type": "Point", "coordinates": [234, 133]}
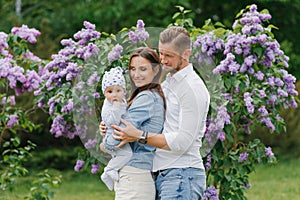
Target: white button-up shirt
{"type": "Point", "coordinates": [187, 106]}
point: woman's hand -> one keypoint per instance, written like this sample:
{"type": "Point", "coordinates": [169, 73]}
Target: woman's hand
{"type": "Point", "coordinates": [102, 128]}
{"type": "Point", "coordinates": [127, 134]}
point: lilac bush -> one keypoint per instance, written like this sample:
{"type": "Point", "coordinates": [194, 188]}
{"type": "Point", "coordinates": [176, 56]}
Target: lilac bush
{"type": "Point", "coordinates": [19, 76]}
{"type": "Point", "coordinates": [253, 69]}
{"type": "Point", "coordinates": [70, 85]}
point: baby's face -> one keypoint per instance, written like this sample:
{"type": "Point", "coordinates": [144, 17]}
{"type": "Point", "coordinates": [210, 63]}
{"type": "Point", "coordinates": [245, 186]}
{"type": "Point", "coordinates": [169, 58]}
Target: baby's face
{"type": "Point", "coordinates": [114, 94]}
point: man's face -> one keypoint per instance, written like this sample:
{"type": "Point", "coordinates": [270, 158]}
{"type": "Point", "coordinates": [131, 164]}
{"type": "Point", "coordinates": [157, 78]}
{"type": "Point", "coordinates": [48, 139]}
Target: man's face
{"type": "Point", "coordinates": [171, 60]}
{"type": "Point", "coordinates": [114, 94]}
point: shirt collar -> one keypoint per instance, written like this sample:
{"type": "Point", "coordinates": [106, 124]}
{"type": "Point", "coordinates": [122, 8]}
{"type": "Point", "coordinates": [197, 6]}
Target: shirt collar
{"type": "Point", "coordinates": [178, 76]}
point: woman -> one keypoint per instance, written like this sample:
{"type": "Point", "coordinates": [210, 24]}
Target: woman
{"type": "Point", "coordinates": [146, 110]}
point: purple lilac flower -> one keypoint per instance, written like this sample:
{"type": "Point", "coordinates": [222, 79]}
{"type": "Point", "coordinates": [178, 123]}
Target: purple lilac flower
{"type": "Point", "coordinates": [211, 193]}
{"type": "Point", "coordinates": [88, 51]}
{"type": "Point", "coordinates": [259, 75]}
{"type": "Point", "coordinates": [31, 56]}
{"type": "Point", "coordinates": [140, 34]}
{"type": "Point", "coordinates": [272, 99]}
{"type": "Point", "coordinates": [96, 95]}
{"type": "Point", "coordinates": [15, 74]}
{"type": "Point", "coordinates": [222, 136]}
{"type": "Point", "coordinates": [3, 40]}
{"type": "Point", "coordinates": [287, 78]}
{"type": "Point", "coordinates": [282, 93]}
{"type": "Point", "coordinates": [4, 45]}
{"type": "Point", "coordinates": [252, 21]}
{"type": "Point", "coordinates": [262, 94]}
{"type": "Point", "coordinates": [247, 129]}
{"type": "Point", "coordinates": [95, 168]}
{"type": "Point", "coordinates": [26, 33]}
{"type": "Point", "coordinates": [11, 100]}
{"type": "Point", "coordinates": [81, 130]}
{"type": "Point", "coordinates": [87, 34]}
{"type": "Point", "coordinates": [94, 78]}
{"type": "Point", "coordinates": [89, 25]}
{"type": "Point", "coordinates": [211, 135]}
{"type": "Point", "coordinates": [58, 61]}
{"type": "Point", "coordinates": [41, 102]}
{"type": "Point", "coordinates": [268, 123]}
{"type": "Point", "coordinates": [227, 65]}
{"type": "Point", "coordinates": [248, 102]}
{"type": "Point", "coordinates": [115, 53]}
{"type": "Point", "coordinates": [247, 65]}
{"type": "Point", "coordinates": [91, 143]}
{"type": "Point", "coordinates": [58, 126]}
{"type": "Point", "coordinates": [13, 120]}
{"type": "Point", "coordinates": [253, 8]}
{"type": "Point", "coordinates": [292, 103]}
{"type": "Point", "coordinates": [73, 70]}
{"type": "Point", "coordinates": [79, 85]}
{"type": "Point", "coordinates": [243, 157]}
{"type": "Point", "coordinates": [208, 162]}
{"type": "Point", "coordinates": [68, 107]}
{"type": "Point", "coordinates": [68, 49]}
{"type": "Point", "coordinates": [271, 81]}
{"type": "Point", "coordinates": [209, 43]}
{"type": "Point", "coordinates": [69, 131]}
{"type": "Point", "coordinates": [223, 115]}
{"type": "Point", "coordinates": [52, 102]}
{"type": "Point", "coordinates": [268, 152]}
{"type": "Point", "coordinates": [68, 42]}
{"type": "Point", "coordinates": [33, 80]}
{"type": "Point", "coordinates": [247, 185]}
{"type": "Point", "coordinates": [79, 165]}
{"type": "Point", "coordinates": [5, 65]}
{"type": "Point", "coordinates": [279, 82]}
{"type": "Point", "coordinates": [228, 97]}
{"type": "Point", "coordinates": [278, 118]}
{"type": "Point", "coordinates": [263, 111]}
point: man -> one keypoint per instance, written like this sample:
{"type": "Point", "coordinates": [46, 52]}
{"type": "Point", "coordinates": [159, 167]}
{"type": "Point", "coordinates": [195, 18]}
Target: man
{"type": "Point", "coordinates": [177, 162]}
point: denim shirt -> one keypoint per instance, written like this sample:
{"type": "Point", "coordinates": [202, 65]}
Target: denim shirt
{"type": "Point", "coordinates": [146, 113]}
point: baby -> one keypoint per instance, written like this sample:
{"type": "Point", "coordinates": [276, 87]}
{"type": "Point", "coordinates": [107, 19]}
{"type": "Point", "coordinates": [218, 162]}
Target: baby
{"type": "Point", "coordinates": [114, 106]}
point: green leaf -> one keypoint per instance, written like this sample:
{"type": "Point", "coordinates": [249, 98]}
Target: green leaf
{"type": "Point", "coordinates": [176, 15]}
{"type": "Point", "coordinates": [272, 26]}
{"type": "Point", "coordinates": [228, 83]}
{"type": "Point", "coordinates": [16, 141]}
{"type": "Point", "coordinates": [240, 13]}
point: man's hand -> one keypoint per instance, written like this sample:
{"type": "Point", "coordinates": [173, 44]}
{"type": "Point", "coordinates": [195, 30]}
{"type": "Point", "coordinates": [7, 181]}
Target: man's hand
{"type": "Point", "coordinates": [127, 134]}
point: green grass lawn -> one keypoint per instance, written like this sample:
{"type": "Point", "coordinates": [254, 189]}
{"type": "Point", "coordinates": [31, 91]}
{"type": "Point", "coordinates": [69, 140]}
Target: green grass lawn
{"type": "Point", "coordinates": [278, 182]}
{"type": "Point", "coordinates": [75, 186]}
{"type": "Point", "coordinates": [268, 182]}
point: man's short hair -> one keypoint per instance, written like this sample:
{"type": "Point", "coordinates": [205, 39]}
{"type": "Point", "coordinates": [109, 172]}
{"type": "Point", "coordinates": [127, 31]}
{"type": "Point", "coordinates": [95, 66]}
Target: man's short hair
{"type": "Point", "coordinates": [178, 36]}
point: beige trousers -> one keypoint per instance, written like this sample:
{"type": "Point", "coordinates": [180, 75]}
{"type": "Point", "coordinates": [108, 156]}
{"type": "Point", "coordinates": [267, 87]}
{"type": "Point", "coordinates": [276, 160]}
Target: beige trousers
{"type": "Point", "coordinates": [134, 184]}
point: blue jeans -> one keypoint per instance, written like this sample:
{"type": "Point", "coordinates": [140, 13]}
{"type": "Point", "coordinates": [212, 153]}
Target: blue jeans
{"type": "Point", "coordinates": [180, 183]}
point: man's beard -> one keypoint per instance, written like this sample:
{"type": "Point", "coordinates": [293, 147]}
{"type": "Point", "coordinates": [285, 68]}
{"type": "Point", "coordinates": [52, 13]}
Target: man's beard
{"type": "Point", "coordinates": [177, 68]}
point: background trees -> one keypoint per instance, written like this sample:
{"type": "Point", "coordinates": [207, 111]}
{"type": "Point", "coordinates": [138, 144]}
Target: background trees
{"type": "Point", "coordinates": [61, 19]}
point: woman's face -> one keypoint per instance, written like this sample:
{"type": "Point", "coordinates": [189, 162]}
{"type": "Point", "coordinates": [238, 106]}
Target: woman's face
{"type": "Point", "coordinates": [141, 71]}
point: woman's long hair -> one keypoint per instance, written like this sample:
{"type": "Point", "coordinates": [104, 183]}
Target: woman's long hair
{"type": "Point", "coordinates": [153, 58]}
